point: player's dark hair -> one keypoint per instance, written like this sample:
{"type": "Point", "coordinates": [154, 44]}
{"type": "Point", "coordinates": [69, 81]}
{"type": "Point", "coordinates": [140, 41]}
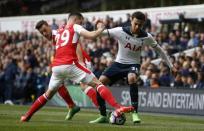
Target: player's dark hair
{"type": "Point", "coordinates": [77, 14]}
{"type": "Point", "coordinates": [40, 24]}
{"type": "Point", "coordinates": [139, 15]}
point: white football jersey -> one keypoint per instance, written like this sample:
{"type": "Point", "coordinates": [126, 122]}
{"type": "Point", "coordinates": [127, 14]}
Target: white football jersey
{"type": "Point", "coordinates": [129, 45]}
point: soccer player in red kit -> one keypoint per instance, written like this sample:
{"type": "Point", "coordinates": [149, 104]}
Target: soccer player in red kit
{"type": "Point", "coordinates": [83, 59]}
{"type": "Point", "coordinates": [66, 66]}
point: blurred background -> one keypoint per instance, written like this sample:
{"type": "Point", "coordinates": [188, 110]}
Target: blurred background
{"type": "Point", "coordinates": [36, 7]}
{"type": "Point", "coordinates": [178, 26]}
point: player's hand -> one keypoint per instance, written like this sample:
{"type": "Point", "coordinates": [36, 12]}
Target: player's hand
{"type": "Point", "coordinates": [99, 24]}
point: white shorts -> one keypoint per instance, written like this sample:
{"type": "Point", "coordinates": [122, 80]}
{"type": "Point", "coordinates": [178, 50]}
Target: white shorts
{"type": "Point", "coordinates": [75, 72]}
{"type": "Point", "coordinates": [89, 65]}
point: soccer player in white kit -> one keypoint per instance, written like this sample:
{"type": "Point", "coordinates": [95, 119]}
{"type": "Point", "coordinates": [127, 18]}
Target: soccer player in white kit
{"type": "Point", "coordinates": [131, 39]}
{"type": "Point", "coordinates": [66, 66]}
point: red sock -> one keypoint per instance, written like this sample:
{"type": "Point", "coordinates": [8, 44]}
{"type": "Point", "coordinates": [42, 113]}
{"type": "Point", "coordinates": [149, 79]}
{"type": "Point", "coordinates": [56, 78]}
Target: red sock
{"type": "Point", "coordinates": [66, 96]}
{"type": "Point", "coordinates": [91, 93]}
{"type": "Point", "coordinates": [40, 102]}
{"type": "Point", "coordinates": [107, 96]}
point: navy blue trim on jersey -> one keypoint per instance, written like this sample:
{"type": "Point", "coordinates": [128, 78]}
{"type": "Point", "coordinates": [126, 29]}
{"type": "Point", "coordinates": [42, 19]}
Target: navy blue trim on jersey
{"type": "Point", "coordinates": [118, 71]}
{"type": "Point", "coordinates": [141, 34]}
{"type": "Point", "coordinates": [154, 46]}
{"type": "Point", "coordinates": [127, 30]}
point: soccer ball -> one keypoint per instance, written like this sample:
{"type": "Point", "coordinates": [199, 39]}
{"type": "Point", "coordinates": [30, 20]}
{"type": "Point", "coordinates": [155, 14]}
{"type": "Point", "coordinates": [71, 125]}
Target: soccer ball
{"type": "Point", "coordinates": [117, 119]}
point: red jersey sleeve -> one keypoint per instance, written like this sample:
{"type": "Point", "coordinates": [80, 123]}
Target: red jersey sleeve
{"type": "Point", "coordinates": [85, 55]}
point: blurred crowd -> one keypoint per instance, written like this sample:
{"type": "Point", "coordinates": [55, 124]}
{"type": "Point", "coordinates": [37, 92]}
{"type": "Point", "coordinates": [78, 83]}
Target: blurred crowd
{"type": "Point", "coordinates": [25, 60]}
{"type": "Point", "coordinates": [24, 66]}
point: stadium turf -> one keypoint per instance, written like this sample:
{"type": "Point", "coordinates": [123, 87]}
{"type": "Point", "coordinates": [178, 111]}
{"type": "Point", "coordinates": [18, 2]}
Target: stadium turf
{"type": "Point", "coordinates": [52, 119]}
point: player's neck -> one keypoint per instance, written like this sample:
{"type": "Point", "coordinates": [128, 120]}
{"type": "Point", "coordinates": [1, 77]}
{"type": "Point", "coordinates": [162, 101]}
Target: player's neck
{"type": "Point", "coordinates": [134, 33]}
{"type": "Point", "coordinates": [70, 22]}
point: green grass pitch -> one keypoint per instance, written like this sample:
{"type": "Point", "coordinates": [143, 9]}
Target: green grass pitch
{"type": "Point", "coordinates": [52, 119]}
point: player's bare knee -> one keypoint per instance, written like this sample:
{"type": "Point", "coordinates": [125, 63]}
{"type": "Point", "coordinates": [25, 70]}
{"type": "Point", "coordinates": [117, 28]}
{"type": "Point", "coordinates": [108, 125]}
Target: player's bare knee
{"type": "Point", "coordinates": [104, 80]}
{"type": "Point", "coordinates": [132, 78]}
{"type": "Point", "coordinates": [94, 82]}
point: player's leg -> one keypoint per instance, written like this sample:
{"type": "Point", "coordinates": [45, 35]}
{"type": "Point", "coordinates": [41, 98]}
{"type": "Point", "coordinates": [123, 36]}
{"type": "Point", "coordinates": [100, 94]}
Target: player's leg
{"type": "Point", "coordinates": [40, 102]}
{"type": "Point", "coordinates": [72, 107]}
{"type": "Point", "coordinates": [63, 92]}
{"type": "Point", "coordinates": [90, 92]}
{"type": "Point", "coordinates": [132, 81]}
{"type": "Point", "coordinates": [80, 72]}
{"type": "Point", "coordinates": [54, 84]}
{"type": "Point", "coordinates": [84, 75]}
{"type": "Point", "coordinates": [106, 94]}
{"type": "Point", "coordinates": [93, 95]}
{"type": "Point", "coordinates": [96, 99]}
{"type": "Point", "coordinates": [109, 76]}
{"type": "Point", "coordinates": [102, 105]}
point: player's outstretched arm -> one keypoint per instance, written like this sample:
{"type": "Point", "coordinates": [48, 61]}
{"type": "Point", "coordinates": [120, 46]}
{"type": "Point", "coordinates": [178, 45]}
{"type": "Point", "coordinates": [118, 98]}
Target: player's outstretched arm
{"type": "Point", "coordinates": [93, 34]}
{"type": "Point", "coordinates": [153, 43]}
{"type": "Point", "coordinates": [162, 53]}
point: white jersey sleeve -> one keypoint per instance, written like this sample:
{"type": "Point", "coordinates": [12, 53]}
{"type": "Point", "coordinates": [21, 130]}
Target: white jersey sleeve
{"type": "Point", "coordinates": [149, 40]}
{"type": "Point", "coordinates": [78, 28]}
{"type": "Point", "coordinates": [114, 32]}
{"type": "Point", "coordinates": [54, 32]}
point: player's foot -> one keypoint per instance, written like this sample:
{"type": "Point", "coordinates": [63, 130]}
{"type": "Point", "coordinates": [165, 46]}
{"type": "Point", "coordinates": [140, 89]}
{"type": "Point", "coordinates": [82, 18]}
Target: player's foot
{"type": "Point", "coordinates": [72, 112]}
{"type": "Point", "coordinates": [124, 109]}
{"type": "Point", "coordinates": [135, 118]}
{"type": "Point", "coordinates": [101, 119]}
{"type": "Point", "coordinates": [25, 118]}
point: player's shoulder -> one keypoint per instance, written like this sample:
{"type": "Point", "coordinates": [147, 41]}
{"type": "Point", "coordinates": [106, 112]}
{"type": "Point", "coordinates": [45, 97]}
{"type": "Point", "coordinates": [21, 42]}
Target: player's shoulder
{"type": "Point", "coordinates": [76, 26]}
{"type": "Point", "coordinates": [127, 29]}
{"type": "Point", "coordinates": [116, 29]}
{"type": "Point", "coordinates": [67, 27]}
{"type": "Point", "coordinates": [141, 34]}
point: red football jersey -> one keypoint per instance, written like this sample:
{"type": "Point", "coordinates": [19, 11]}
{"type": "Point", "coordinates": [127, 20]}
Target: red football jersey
{"type": "Point", "coordinates": [65, 47]}
{"type": "Point", "coordinates": [60, 37]}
